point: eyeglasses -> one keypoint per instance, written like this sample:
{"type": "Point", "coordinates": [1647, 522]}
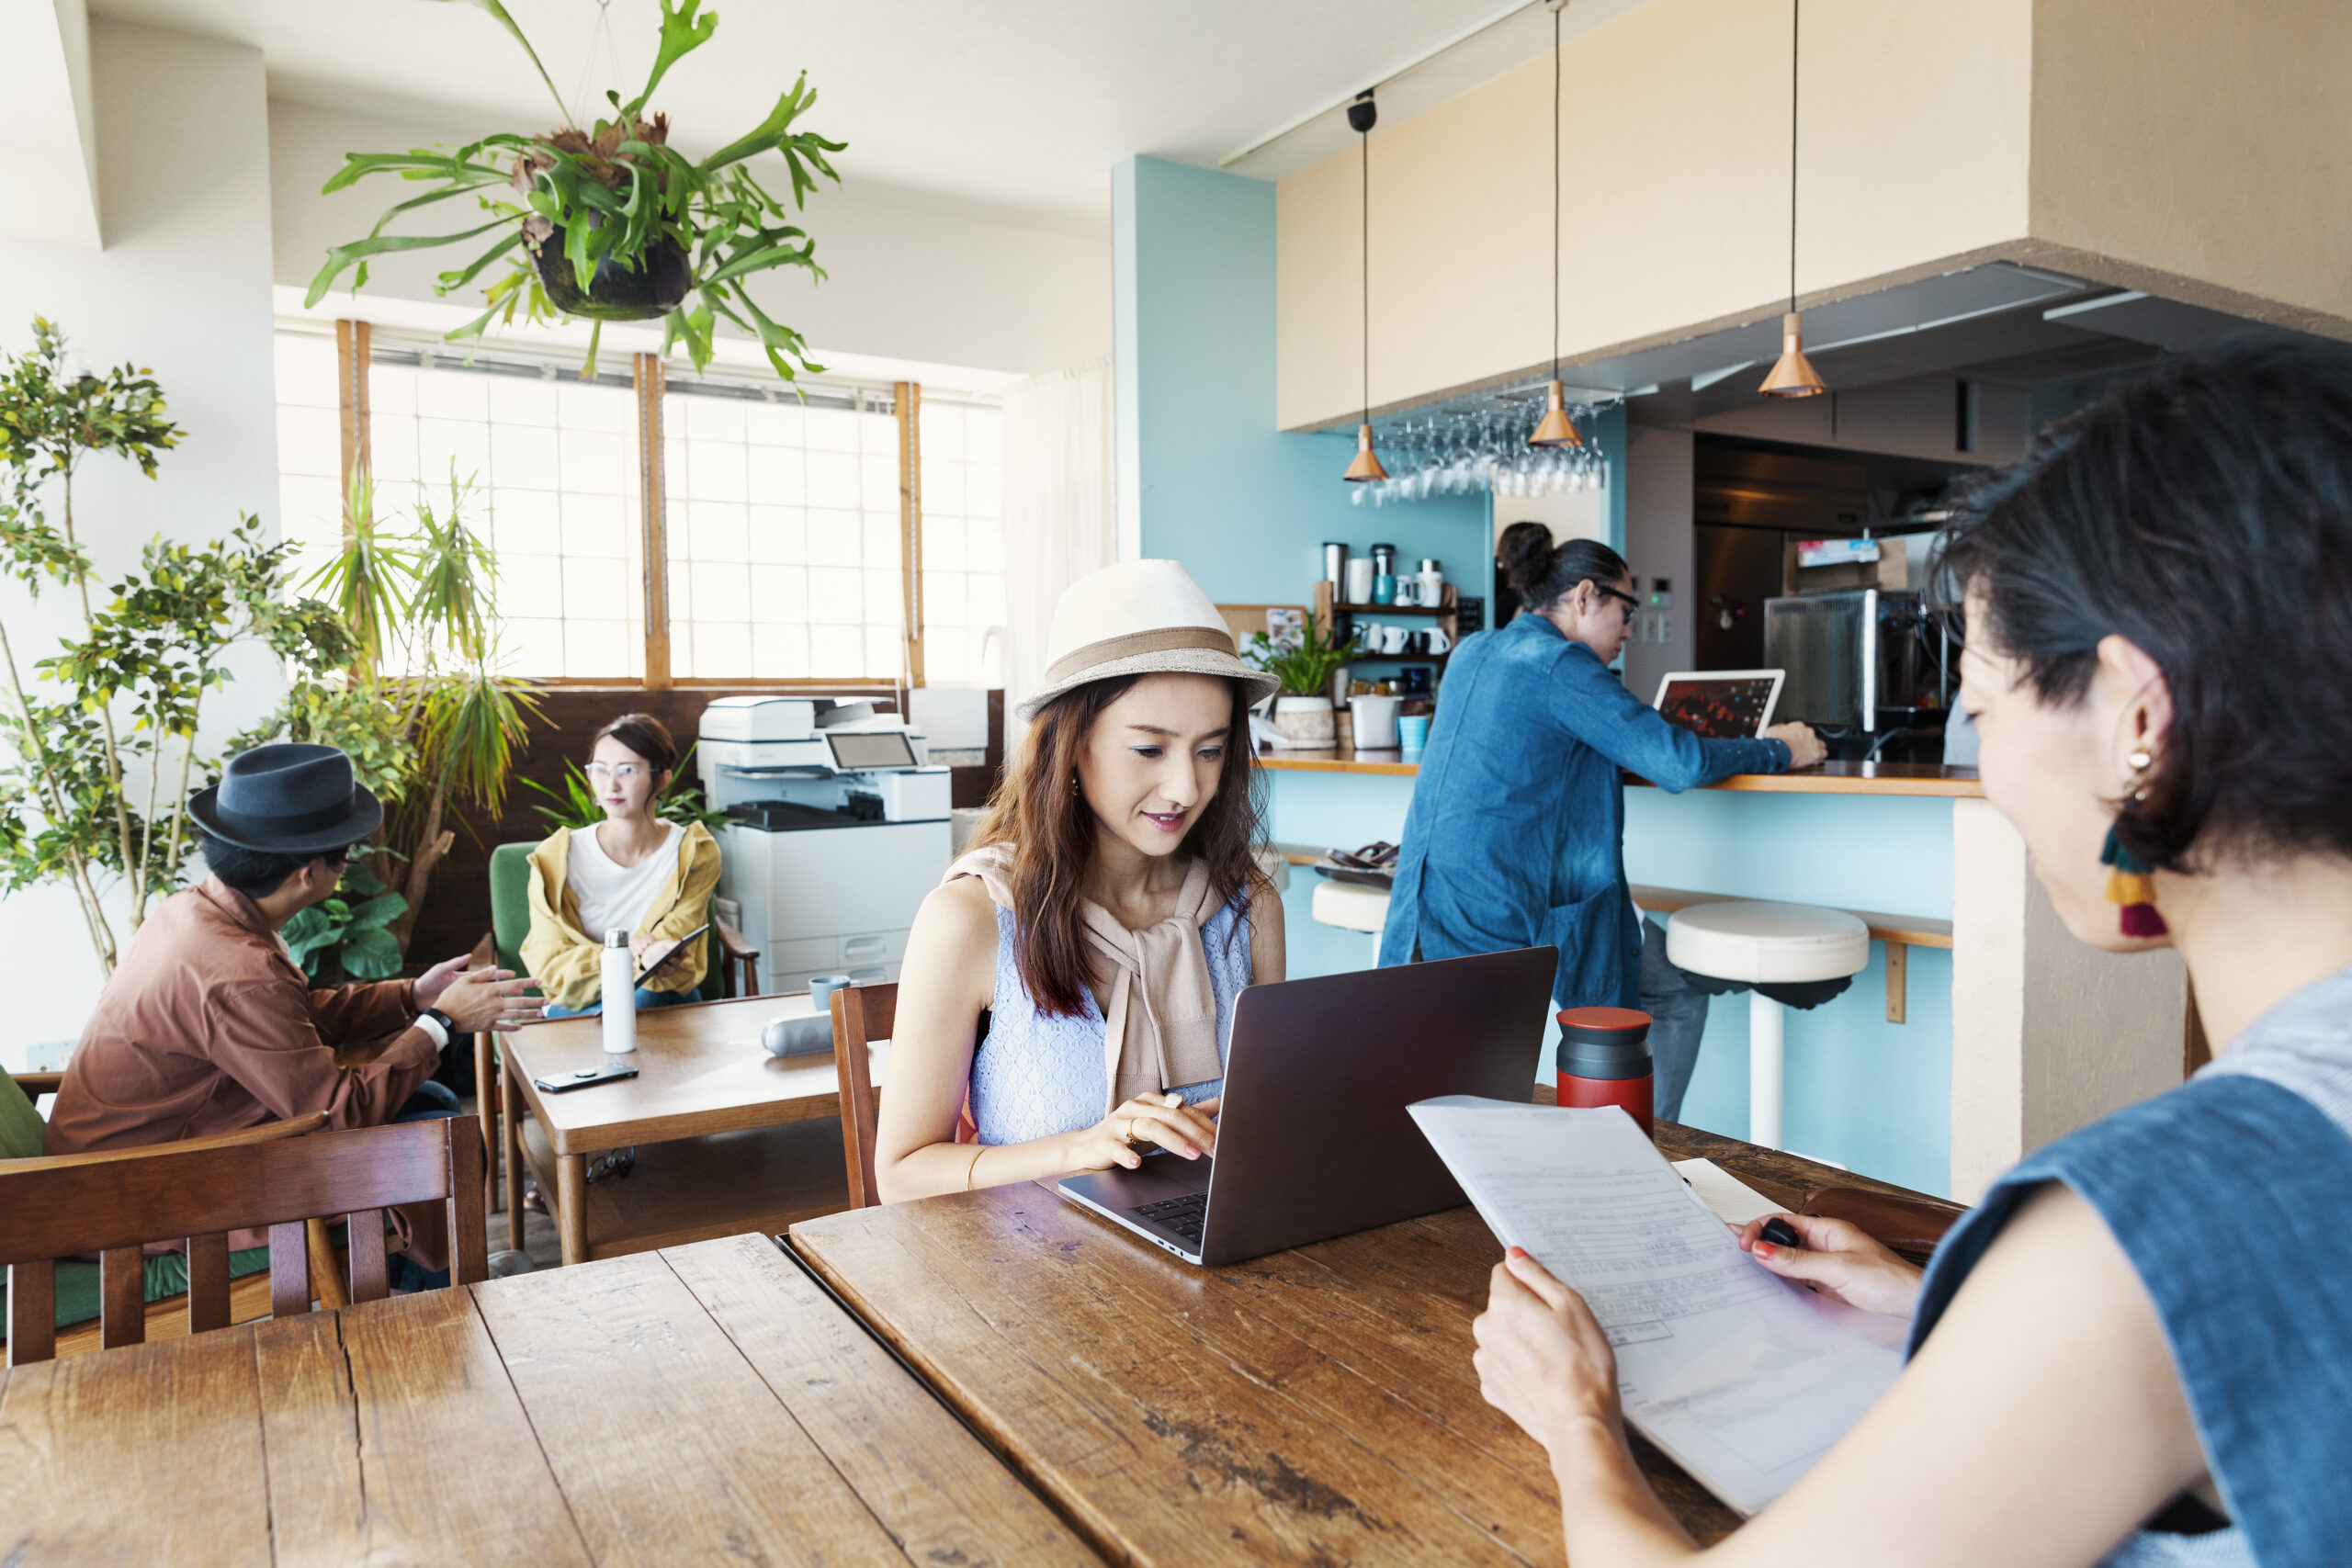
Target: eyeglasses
{"type": "Point", "coordinates": [1630, 603]}
{"type": "Point", "coordinates": [626, 773]}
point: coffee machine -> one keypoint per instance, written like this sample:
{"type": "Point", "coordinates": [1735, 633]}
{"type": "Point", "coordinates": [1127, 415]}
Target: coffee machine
{"type": "Point", "coordinates": [1871, 669]}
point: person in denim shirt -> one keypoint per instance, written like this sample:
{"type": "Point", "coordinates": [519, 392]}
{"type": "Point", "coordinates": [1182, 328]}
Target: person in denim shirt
{"type": "Point", "coordinates": [1516, 834]}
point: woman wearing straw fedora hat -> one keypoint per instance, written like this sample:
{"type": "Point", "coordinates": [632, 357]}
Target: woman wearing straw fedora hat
{"type": "Point", "coordinates": [1067, 991]}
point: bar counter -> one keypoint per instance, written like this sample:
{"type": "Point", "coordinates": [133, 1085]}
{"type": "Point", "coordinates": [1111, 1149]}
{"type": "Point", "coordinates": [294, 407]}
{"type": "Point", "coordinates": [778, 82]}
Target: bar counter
{"type": "Point", "coordinates": [1981, 1028]}
{"type": "Point", "coordinates": [1828, 778]}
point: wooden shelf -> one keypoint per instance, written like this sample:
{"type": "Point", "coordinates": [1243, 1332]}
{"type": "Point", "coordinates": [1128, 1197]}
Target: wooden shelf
{"type": "Point", "coordinates": [764, 1179]}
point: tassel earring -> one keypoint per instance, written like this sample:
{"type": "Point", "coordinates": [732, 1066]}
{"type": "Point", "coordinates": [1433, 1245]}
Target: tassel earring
{"type": "Point", "coordinates": [2131, 882]}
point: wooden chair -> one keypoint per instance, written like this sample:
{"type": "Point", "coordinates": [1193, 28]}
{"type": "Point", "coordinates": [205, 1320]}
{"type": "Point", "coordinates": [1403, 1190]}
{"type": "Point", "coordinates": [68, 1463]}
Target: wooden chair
{"type": "Point", "coordinates": [201, 1189]}
{"type": "Point", "coordinates": [861, 1014]}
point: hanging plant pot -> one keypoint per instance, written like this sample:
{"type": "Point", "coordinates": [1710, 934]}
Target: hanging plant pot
{"type": "Point", "coordinates": [617, 292]}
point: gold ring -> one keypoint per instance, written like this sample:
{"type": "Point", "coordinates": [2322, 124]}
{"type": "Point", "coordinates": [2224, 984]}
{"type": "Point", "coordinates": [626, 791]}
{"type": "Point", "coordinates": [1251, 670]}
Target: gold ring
{"type": "Point", "coordinates": [1128, 1135]}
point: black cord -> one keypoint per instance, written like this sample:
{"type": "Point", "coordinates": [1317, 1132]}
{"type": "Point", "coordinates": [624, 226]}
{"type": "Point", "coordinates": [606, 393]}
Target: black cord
{"type": "Point", "coordinates": [1366, 165]}
{"type": "Point", "coordinates": [1796, 14]}
{"type": "Point", "coordinates": [1556, 9]}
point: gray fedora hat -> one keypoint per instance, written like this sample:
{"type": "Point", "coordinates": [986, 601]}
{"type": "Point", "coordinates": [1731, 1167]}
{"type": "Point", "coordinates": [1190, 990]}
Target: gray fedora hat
{"type": "Point", "coordinates": [289, 798]}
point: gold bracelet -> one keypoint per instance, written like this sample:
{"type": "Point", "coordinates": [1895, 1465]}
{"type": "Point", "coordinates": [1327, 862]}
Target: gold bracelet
{"type": "Point", "coordinates": [976, 1152]}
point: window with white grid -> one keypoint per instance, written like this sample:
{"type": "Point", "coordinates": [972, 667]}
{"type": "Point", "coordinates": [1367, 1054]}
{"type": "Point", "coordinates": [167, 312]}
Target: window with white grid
{"type": "Point", "coordinates": [309, 451]}
{"type": "Point", "coordinates": [783, 524]}
{"type": "Point", "coordinates": [552, 461]}
{"type": "Point", "coordinates": [963, 539]}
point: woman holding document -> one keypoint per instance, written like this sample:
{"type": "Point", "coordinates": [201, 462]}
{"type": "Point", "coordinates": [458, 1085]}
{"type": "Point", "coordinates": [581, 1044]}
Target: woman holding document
{"type": "Point", "coordinates": [2136, 1349]}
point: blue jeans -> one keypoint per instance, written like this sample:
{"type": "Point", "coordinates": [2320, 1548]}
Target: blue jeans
{"type": "Point", "coordinates": [431, 1101]}
{"type": "Point", "coordinates": [645, 999]}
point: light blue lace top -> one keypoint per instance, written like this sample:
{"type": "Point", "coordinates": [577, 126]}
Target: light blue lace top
{"type": "Point", "coordinates": [1035, 1076]}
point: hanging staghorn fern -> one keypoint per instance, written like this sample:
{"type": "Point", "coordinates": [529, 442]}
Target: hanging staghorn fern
{"type": "Point", "coordinates": [610, 223]}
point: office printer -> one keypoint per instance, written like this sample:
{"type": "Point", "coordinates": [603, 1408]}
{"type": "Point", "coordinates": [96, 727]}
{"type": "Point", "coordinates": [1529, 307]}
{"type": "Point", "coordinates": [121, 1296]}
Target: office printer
{"type": "Point", "coordinates": [839, 828]}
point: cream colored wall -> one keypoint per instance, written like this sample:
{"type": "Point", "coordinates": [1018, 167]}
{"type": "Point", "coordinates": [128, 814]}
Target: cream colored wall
{"type": "Point", "coordinates": [2047, 1034]}
{"type": "Point", "coordinates": [2200, 150]}
{"type": "Point", "coordinates": [1914, 148]}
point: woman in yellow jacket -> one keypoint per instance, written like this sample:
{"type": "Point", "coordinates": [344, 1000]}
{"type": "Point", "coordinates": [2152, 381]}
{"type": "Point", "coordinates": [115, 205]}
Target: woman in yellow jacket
{"type": "Point", "coordinates": [631, 870]}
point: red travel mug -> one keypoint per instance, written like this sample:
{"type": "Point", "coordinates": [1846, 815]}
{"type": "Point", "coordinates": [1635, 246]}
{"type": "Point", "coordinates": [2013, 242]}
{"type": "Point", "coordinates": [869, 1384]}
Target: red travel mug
{"type": "Point", "coordinates": [1605, 1060]}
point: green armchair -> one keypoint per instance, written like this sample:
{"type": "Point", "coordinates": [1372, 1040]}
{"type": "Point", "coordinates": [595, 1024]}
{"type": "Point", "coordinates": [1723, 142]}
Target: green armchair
{"type": "Point", "coordinates": [510, 922]}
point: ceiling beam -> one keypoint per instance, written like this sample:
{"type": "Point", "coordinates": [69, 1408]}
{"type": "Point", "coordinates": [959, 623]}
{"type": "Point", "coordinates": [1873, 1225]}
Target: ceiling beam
{"type": "Point", "coordinates": [45, 71]}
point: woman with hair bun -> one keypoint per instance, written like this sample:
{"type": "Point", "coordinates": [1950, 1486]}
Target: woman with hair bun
{"type": "Point", "coordinates": [1515, 837]}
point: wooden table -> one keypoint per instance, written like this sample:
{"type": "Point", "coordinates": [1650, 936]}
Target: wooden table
{"type": "Point", "coordinates": [730, 1139]}
{"type": "Point", "coordinates": [1318, 1406]}
{"type": "Point", "coordinates": [704, 1404]}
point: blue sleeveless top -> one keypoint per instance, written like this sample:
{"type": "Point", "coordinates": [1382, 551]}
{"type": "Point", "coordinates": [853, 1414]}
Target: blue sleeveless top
{"type": "Point", "coordinates": [2207, 1187]}
{"type": "Point", "coordinates": [1035, 1076]}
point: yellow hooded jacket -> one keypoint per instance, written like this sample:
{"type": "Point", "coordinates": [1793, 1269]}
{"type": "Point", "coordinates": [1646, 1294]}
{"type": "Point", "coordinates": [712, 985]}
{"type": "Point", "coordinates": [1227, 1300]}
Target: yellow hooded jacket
{"type": "Point", "coordinates": [568, 963]}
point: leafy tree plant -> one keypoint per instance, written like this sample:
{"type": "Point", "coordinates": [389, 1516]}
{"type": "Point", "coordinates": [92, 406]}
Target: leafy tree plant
{"type": "Point", "coordinates": [343, 938]}
{"type": "Point", "coordinates": [612, 223]}
{"type": "Point", "coordinates": [419, 706]}
{"type": "Point", "coordinates": [96, 792]}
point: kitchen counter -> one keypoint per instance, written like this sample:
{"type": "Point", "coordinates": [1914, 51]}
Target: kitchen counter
{"type": "Point", "coordinates": [1829, 778]}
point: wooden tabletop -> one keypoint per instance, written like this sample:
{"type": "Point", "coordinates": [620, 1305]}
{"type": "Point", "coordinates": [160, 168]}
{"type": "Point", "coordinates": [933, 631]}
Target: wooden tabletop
{"type": "Point", "coordinates": [700, 1070]}
{"type": "Point", "coordinates": [1826, 778]}
{"type": "Point", "coordinates": [1314, 1406]}
{"type": "Point", "coordinates": [705, 1404]}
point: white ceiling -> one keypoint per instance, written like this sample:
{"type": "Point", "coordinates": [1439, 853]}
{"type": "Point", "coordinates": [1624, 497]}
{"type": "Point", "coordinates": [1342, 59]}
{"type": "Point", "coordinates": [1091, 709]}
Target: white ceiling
{"type": "Point", "coordinates": [1017, 106]}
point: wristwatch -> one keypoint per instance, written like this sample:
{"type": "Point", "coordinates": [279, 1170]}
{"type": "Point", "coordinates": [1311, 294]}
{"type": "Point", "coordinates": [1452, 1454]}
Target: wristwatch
{"type": "Point", "coordinates": [447, 1025]}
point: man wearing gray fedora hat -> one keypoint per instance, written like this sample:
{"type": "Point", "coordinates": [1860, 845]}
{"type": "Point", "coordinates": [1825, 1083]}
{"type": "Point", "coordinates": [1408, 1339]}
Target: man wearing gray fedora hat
{"type": "Point", "coordinates": [210, 1026]}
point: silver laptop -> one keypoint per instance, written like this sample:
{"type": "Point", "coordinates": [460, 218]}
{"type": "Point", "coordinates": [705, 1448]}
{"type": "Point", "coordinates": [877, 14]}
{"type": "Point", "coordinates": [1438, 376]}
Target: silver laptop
{"type": "Point", "coordinates": [1314, 1140]}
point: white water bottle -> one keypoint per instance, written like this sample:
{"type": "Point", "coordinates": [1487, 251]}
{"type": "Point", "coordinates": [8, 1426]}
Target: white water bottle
{"type": "Point", "coordinates": [620, 994]}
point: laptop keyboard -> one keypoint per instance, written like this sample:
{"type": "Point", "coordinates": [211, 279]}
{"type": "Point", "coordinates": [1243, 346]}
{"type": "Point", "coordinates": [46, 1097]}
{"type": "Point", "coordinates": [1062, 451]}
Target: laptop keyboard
{"type": "Point", "coordinates": [1184, 1216]}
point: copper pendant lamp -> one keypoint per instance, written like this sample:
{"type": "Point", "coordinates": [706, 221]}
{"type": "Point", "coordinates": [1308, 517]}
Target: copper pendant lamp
{"type": "Point", "coordinates": [1792, 374]}
{"type": "Point", "coordinates": [1556, 429]}
{"type": "Point", "coordinates": [1361, 116]}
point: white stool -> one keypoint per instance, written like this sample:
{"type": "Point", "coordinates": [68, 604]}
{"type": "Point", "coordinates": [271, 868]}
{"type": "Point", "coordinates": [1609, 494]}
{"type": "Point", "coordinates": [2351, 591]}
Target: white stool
{"type": "Point", "coordinates": [1767, 943]}
{"type": "Point", "coordinates": [1350, 906]}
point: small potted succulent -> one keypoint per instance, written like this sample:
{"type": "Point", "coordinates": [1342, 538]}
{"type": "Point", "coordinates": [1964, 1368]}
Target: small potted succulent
{"type": "Point", "coordinates": [1302, 707]}
{"type": "Point", "coordinates": [610, 221]}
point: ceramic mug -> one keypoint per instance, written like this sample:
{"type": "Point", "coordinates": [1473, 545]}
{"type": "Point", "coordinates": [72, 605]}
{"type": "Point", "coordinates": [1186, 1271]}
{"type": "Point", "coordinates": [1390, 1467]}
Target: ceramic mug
{"type": "Point", "coordinates": [1393, 640]}
{"type": "Point", "coordinates": [1360, 580]}
{"type": "Point", "coordinates": [1409, 591]}
{"type": "Point", "coordinates": [1438, 641]}
{"type": "Point", "coordinates": [1375, 722]}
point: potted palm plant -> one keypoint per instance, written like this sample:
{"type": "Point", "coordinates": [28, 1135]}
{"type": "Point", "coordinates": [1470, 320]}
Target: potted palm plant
{"type": "Point", "coordinates": [610, 223]}
{"type": "Point", "coordinates": [1302, 707]}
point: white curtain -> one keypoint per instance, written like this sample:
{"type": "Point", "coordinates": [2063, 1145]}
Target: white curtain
{"type": "Point", "coordinates": [1060, 507]}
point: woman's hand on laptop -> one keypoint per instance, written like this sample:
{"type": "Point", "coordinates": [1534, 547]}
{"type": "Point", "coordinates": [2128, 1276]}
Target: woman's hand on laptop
{"type": "Point", "coordinates": [1163, 1120]}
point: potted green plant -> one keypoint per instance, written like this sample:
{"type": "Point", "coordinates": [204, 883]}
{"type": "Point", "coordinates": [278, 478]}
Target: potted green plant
{"type": "Point", "coordinates": [419, 706]}
{"type": "Point", "coordinates": [1303, 706]}
{"type": "Point", "coordinates": [95, 781]}
{"type": "Point", "coordinates": [611, 221]}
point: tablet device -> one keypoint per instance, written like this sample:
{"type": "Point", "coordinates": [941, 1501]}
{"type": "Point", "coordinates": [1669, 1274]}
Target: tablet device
{"type": "Point", "coordinates": [675, 952]}
{"type": "Point", "coordinates": [1722, 705]}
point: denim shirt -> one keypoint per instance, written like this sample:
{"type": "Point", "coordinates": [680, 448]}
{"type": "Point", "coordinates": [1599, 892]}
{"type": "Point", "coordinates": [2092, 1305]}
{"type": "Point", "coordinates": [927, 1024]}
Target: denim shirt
{"type": "Point", "coordinates": [1516, 834]}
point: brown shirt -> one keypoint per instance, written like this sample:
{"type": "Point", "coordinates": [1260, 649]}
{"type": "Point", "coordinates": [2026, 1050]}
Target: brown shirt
{"type": "Point", "coordinates": [208, 1027]}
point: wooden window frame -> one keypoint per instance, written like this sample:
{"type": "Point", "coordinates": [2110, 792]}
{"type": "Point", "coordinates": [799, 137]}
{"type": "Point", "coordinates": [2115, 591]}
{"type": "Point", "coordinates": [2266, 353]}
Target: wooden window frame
{"type": "Point", "coordinates": [649, 380]}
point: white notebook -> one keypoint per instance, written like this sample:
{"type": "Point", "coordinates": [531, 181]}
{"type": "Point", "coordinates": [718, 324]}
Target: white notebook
{"type": "Point", "coordinates": [1741, 1377]}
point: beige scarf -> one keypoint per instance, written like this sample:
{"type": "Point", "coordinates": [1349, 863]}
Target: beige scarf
{"type": "Point", "coordinates": [1159, 1022]}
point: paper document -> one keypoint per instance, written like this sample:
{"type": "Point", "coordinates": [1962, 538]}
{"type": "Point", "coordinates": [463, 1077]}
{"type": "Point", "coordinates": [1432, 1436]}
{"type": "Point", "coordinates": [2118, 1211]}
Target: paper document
{"type": "Point", "coordinates": [1742, 1377]}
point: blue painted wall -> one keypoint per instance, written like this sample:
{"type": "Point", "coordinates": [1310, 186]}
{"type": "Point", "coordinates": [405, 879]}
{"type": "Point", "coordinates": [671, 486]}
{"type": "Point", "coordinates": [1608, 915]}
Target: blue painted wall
{"type": "Point", "coordinates": [1203, 468]}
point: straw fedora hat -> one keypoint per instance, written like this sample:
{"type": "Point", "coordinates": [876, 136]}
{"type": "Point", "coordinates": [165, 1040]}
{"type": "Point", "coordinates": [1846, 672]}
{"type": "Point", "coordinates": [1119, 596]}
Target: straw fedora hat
{"type": "Point", "coordinates": [1140, 618]}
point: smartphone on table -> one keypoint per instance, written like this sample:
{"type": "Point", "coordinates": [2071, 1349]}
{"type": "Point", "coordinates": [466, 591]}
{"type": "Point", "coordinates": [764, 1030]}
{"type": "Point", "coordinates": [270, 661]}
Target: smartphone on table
{"type": "Point", "coordinates": [564, 1083]}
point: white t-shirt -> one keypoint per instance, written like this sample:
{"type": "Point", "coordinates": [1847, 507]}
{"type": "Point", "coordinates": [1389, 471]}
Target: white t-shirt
{"type": "Point", "coordinates": [620, 896]}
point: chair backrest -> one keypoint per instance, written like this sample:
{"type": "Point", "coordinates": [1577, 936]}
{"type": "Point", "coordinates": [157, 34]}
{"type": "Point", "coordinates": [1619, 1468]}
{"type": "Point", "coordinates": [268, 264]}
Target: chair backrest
{"type": "Point", "coordinates": [510, 918]}
{"type": "Point", "coordinates": [862, 1014]}
{"type": "Point", "coordinates": [115, 1201]}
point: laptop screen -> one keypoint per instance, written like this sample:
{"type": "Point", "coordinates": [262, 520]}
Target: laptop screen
{"type": "Point", "coordinates": [1722, 707]}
